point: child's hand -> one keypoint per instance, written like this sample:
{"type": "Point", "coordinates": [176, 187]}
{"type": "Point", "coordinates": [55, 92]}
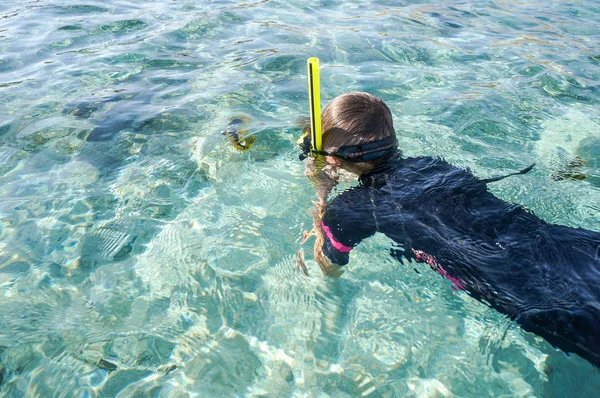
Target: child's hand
{"type": "Point", "coordinates": [328, 268]}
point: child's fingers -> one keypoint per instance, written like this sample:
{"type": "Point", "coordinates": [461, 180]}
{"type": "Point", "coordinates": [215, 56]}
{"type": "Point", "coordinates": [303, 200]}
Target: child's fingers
{"type": "Point", "coordinates": [307, 235]}
{"type": "Point", "coordinates": [302, 264]}
{"type": "Point", "coordinates": [327, 267]}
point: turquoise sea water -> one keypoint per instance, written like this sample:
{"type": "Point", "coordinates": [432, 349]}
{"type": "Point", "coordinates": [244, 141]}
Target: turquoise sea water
{"type": "Point", "coordinates": [141, 254]}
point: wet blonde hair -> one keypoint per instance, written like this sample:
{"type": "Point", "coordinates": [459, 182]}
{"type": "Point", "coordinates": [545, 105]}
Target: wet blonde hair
{"type": "Point", "coordinates": [355, 118]}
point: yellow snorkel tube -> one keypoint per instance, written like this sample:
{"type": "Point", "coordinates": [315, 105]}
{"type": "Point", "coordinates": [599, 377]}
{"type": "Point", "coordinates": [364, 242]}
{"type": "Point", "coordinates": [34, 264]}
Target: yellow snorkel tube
{"type": "Point", "coordinates": [314, 98]}
{"type": "Point", "coordinates": [312, 140]}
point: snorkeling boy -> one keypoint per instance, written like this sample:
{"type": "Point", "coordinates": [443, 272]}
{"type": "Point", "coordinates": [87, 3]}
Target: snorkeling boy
{"type": "Point", "coordinates": [545, 277]}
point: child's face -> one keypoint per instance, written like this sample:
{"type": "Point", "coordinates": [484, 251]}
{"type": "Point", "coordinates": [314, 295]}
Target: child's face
{"type": "Point", "coordinates": [332, 169]}
{"type": "Point", "coordinates": [338, 164]}
{"type": "Point", "coordinates": [353, 168]}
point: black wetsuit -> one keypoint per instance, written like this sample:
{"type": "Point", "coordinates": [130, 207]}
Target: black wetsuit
{"type": "Point", "coordinates": [546, 277]}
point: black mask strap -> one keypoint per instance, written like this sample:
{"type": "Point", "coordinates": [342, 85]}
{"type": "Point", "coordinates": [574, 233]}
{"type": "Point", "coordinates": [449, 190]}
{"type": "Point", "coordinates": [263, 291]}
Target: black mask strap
{"type": "Point", "coordinates": [365, 152]}
{"type": "Point", "coordinates": [354, 153]}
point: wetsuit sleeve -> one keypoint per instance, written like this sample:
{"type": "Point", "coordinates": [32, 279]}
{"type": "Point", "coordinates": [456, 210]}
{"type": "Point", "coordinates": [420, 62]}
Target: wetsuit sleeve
{"type": "Point", "coordinates": [349, 218]}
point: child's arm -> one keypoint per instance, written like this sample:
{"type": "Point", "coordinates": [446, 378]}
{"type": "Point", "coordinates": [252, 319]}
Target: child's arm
{"type": "Point", "coordinates": [324, 262]}
{"type": "Point", "coordinates": [326, 265]}
{"type": "Point", "coordinates": [324, 179]}
{"type": "Point", "coordinates": [344, 222]}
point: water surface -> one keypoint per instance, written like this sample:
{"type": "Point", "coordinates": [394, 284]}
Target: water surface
{"type": "Point", "coordinates": [141, 254]}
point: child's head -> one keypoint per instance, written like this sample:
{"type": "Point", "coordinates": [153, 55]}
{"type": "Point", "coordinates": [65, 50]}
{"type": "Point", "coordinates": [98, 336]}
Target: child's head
{"type": "Point", "coordinates": [357, 127]}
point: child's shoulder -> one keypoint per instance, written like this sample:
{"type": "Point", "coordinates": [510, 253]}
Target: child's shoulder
{"type": "Point", "coordinates": [427, 162]}
{"type": "Point", "coordinates": [434, 170]}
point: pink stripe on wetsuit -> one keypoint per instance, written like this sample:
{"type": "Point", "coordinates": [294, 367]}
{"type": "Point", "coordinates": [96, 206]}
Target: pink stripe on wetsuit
{"type": "Point", "coordinates": [338, 246]}
{"type": "Point", "coordinates": [421, 256]}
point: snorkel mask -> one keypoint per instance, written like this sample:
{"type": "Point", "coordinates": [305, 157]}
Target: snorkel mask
{"type": "Point", "coordinates": [311, 141]}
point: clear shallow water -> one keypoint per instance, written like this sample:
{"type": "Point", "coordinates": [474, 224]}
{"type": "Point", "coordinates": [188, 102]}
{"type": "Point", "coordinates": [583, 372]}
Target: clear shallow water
{"type": "Point", "coordinates": [141, 254]}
